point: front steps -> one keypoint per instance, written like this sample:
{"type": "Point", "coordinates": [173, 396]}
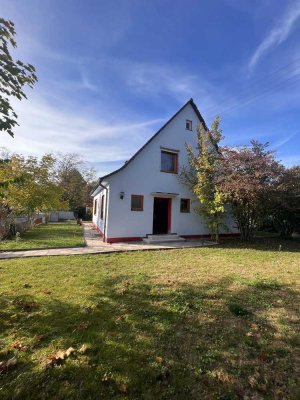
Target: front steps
{"type": "Point", "coordinates": [173, 237]}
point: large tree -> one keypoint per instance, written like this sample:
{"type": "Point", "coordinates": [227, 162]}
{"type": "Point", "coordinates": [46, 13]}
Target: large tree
{"type": "Point", "coordinates": [249, 179]}
{"type": "Point", "coordinates": [285, 206]}
{"type": "Point", "coordinates": [75, 180]}
{"type": "Point", "coordinates": [200, 175]}
{"type": "Point", "coordinates": [14, 76]}
{"type": "Point", "coordinates": [30, 185]}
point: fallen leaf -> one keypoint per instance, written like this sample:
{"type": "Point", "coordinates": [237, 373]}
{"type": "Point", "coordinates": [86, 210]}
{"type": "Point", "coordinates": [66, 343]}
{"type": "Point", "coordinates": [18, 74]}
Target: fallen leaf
{"type": "Point", "coordinates": [83, 349]}
{"type": "Point", "coordinates": [46, 291]}
{"type": "Point", "coordinates": [49, 363]}
{"type": "Point", "coordinates": [69, 351]}
{"type": "Point", "coordinates": [19, 346]}
{"type": "Point", "coordinates": [123, 387]}
{"type": "Point", "coordinates": [60, 355]}
{"type": "Point", "coordinates": [105, 379]}
{"type": "Point", "coordinates": [5, 365]}
{"type": "Point", "coordinates": [58, 358]}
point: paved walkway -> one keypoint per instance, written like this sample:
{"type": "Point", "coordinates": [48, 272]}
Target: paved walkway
{"type": "Point", "coordinates": [94, 245]}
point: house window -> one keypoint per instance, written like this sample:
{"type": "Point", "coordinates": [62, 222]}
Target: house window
{"type": "Point", "coordinates": [169, 162]}
{"type": "Point", "coordinates": [102, 207]}
{"type": "Point", "coordinates": [188, 125]}
{"type": "Point", "coordinates": [95, 206]}
{"type": "Point", "coordinates": [185, 205]}
{"type": "Point", "coordinates": [137, 202]}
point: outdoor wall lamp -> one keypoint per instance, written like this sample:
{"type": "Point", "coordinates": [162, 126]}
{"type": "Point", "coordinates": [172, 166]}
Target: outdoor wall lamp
{"type": "Point", "coordinates": [122, 194]}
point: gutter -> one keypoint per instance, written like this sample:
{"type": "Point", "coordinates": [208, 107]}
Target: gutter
{"type": "Point", "coordinates": [105, 219]}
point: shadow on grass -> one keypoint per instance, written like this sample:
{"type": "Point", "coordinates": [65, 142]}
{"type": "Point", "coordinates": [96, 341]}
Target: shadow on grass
{"type": "Point", "coordinates": [164, 341]}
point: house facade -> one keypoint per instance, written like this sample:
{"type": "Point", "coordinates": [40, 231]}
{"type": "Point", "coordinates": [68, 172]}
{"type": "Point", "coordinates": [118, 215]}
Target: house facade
{"type": "Point", "coordinates": [145, 196]}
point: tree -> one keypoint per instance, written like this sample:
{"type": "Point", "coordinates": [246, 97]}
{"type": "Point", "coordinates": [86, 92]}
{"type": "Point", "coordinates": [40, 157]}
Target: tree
{"type": "Point", "coordinates": [14, 75]}
{"type": "Point", "coordinates": [30, 186]}
{"type": "Point", "coordinates": [285, 209]}
{"type": "Point", "coordinates": [249, 178]}
{"type": "Point", "coordinates": [201, 174]}
{"type": "Point", "coordinates": [73, 184]}
{"type": "Point", "coordinates": [75, 180]}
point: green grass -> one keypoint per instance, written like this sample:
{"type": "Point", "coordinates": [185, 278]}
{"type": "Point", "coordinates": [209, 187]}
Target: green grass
{"type": "Point", "coordinates": [45, 236]}
{"type": "Point", "coordinates": [207, 323]}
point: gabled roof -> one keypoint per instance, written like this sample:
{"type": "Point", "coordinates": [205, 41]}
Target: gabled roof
{"type": "Point", "coordinates": [195, 108]}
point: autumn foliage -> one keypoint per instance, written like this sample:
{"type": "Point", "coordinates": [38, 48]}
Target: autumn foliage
{"type": "Point", "coordinates": [248, 179]}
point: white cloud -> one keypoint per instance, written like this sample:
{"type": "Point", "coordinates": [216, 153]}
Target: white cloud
{"type": "Point", "coordinates": [44, 128]}
{"type": "Point", "coordinates": [283, 141]}
{"type": "Point", "coordinates": [278, 34]}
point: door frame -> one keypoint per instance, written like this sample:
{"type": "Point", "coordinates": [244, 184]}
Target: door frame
{"type": "Point", "coordinates": [169, 216]}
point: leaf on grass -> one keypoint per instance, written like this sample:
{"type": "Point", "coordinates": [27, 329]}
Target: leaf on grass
{"type": "Point", "coordinates": [60, 355]}
{"type": "Point", "coordinates": [6, 365]}
{"type": "Point", "coordinates": [19, 346]}
{"type": "Point", "coordinates": [46, 291]}
{"type": "Point", "coordinates": [83, 349]}
{"type": "Point", "coordinates": [48, 363]}
{"type": "Point", "coordinates": [105, 379]}
{"type": "Point", "coordinates": [58, 358]}
{"type": "Point", "coordinates": [123, 387]}
{"type": "Point", "coordinates": [69, 351]}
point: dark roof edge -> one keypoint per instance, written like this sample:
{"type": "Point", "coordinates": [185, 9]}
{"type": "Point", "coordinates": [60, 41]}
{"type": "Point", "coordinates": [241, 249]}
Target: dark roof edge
{"type": "Point", "coordinates": [195, 108]}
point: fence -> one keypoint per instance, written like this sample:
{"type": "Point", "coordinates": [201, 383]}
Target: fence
{"type": "Point", "coordinates": [55, 216]}
{"type": "Point", "coordinates": [22, 223]}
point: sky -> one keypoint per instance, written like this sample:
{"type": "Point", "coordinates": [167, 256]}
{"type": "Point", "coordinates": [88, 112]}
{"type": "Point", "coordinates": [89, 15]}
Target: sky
{"type": "Point", "coordinates": [111, 73]}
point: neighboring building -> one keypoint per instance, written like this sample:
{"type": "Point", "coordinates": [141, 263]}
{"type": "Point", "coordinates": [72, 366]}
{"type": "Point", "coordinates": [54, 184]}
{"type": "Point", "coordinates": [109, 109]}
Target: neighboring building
{"type": "Point", "coordinates": [145, 197]}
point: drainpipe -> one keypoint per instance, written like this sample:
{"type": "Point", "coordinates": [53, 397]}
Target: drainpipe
{"type": "Point", "coordinates": [105, 219]}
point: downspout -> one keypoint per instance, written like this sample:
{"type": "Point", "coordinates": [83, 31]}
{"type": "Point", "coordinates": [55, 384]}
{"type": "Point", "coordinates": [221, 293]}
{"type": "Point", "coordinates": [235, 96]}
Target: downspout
{"type": "Point", "coordinates": [105, 219]}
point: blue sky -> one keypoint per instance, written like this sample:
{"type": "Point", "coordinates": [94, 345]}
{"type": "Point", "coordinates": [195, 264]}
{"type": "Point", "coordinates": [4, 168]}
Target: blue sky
{"type": "Point", "coordinates": [112, 72]}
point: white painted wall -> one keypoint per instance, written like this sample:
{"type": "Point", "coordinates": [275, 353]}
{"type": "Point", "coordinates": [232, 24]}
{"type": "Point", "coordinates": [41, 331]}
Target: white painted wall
{"type": "Point", "coordinates": [143, 176]}
{"type": "Point", "coordinates": [100, 223]}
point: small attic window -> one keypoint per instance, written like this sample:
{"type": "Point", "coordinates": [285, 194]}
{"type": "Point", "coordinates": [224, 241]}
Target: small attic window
{"type": "Point", "coordinates": [188, 125]}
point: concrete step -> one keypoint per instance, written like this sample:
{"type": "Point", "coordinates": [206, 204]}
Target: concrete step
{"type": "Point", "coordinates": [163, 238]}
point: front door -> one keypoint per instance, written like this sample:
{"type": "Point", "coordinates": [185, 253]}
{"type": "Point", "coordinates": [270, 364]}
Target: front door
{"type": "Point", "coordinates": [161, 215]}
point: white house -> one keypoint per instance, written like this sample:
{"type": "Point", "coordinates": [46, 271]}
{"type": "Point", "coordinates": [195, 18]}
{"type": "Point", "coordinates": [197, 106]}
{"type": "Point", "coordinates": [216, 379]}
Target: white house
{"type": "Point", "coordinates": [145, 197]}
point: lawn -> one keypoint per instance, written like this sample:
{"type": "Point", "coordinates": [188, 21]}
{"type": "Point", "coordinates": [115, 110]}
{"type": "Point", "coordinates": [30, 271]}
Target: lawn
{"type": "Point", "coordinates": [207, 323]}
{"type": "Point", "coordinates": [45, 236]}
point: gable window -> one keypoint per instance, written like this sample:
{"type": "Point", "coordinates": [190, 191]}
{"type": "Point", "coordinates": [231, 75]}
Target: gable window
{"type": "Point", "coordinates": [169, 162]}
{"type": "Point", "coordinates": [102, 207]}
{"type": "Point", "coordinates": [95, 206]}
{"type": "Point", "coordinates": [185, 205]}
{"type": "Point", "coordinates": [188, 125]}
{"type": "Point", "coordinates": [137, 202]}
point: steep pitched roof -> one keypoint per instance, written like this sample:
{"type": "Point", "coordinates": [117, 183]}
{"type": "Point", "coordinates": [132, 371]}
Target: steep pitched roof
{"type": "Point", "coordinates": [195, 108]}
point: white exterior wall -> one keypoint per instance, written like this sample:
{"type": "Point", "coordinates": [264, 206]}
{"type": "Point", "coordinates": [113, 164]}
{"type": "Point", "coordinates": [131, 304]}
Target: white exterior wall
{"type": "Point", "coordinates": [143, 176]}
{"type": "Point", "coordinates": [100, 223]}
